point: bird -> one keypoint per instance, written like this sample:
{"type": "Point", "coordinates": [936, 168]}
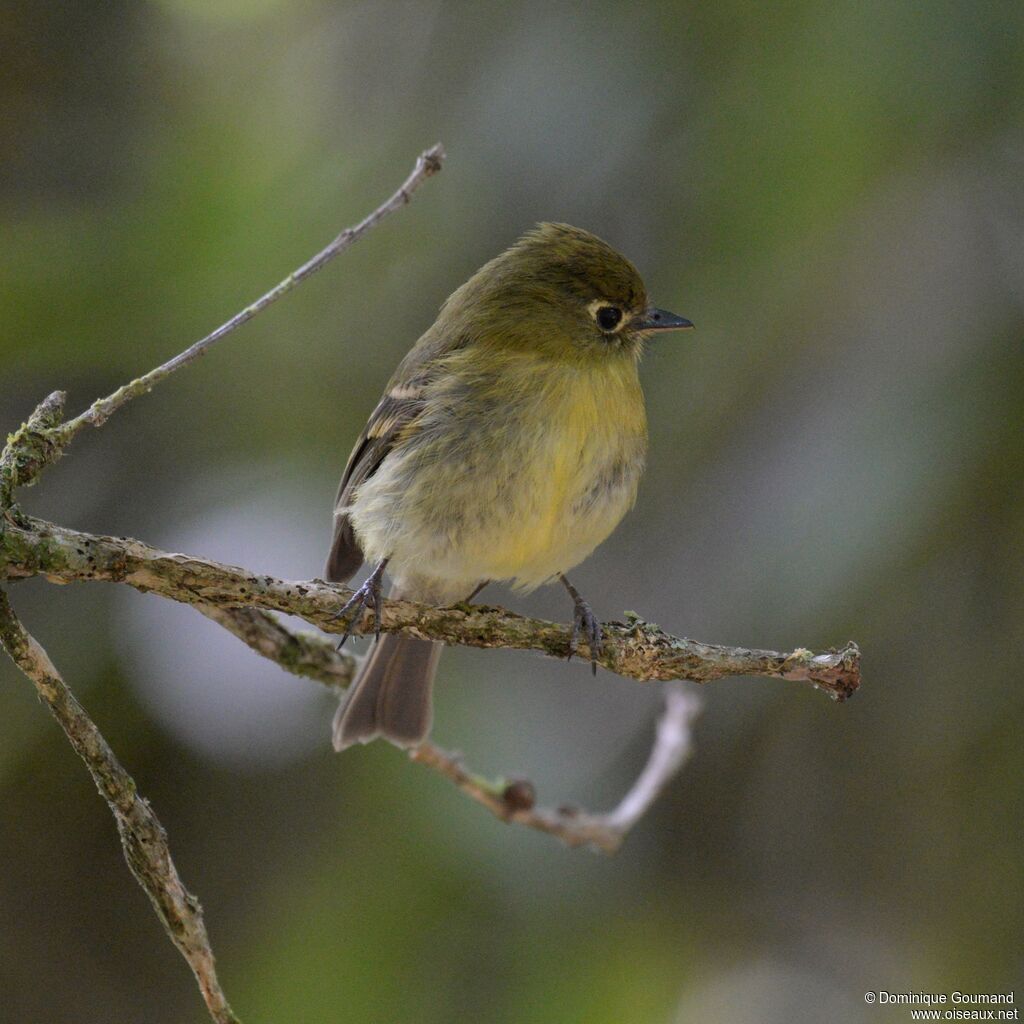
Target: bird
{"type": "Point", "coordinates": [507, 446]}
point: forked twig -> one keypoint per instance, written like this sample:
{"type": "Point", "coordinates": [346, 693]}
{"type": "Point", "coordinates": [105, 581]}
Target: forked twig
{"type": "Point", "coordinates": [36, 444]}
{"type": "Point", "coordinates": [308, 655]}
{"type": "Point", "coordinates": [242, 602]}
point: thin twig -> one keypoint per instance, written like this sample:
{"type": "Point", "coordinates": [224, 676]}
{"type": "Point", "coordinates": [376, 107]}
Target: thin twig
{"type": "Point", "coordinates": [311, 656]}
{"type": "Point", "coordinates": [671, 750]}
{"type": "Point", "coordinates": [635, 649]}
{"type": "Point", "coordinates": [513, 801]}
{"type": "Point", "coordinates": [428, 164]}
{"type": "Point", "coordinates": [142, 836]}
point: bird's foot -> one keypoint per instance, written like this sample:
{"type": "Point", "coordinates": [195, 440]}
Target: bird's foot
{"type": "Point", "coordinates": [584, 623]}
{"type": "Point", "coordinates": [476, 590]}
{"type": "Point", "coordinates": [366, 597]}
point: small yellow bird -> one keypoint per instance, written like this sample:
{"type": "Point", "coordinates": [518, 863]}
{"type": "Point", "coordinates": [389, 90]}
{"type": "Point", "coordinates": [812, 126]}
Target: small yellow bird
{"type": "Point", "coordinates": [509, 443]}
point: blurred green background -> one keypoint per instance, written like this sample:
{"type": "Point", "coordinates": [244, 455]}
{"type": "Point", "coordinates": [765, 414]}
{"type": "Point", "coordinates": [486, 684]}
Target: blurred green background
{"type": "Point", "coordinates": [834, 193]}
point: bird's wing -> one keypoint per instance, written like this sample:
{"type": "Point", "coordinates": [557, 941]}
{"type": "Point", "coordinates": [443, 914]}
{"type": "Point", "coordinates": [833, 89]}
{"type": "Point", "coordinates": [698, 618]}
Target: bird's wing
{"type": "Point", "coordinates": [401, 404]}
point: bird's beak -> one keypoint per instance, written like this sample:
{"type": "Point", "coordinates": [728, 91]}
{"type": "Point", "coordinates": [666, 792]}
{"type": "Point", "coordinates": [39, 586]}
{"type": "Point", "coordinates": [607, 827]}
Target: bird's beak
{"type": "Point", "coordinates": [661, 320]}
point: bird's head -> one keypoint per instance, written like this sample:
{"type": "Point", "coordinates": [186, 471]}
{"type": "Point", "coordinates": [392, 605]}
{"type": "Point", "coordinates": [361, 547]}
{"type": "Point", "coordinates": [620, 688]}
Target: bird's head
{"type": "Point", "coordinates": [564, 292]}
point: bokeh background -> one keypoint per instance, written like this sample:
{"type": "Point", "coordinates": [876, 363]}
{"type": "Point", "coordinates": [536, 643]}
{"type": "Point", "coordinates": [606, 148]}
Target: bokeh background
{"type": "Point", "coordinates": [834, 193]}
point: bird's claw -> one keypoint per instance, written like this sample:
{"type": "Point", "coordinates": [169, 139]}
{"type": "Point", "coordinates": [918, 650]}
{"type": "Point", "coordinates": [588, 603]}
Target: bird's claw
{"type": "Point", "coordinates": [586, 624]}
{"type": "Point", "coordinates": [366, 597]}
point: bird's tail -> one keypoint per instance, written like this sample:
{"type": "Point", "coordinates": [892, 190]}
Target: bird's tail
{"type": "Point", "coordinates": [391, 695]}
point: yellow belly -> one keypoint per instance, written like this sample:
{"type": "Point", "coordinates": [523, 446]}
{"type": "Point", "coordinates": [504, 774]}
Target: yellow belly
{"type": "Point", "coordinates": [538, 474]}
{"type": "Point", "coordinates": [571, 491]}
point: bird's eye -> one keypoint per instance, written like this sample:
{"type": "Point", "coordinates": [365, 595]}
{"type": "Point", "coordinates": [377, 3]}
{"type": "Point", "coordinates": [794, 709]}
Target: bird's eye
{"type": "Point", "coordinates": [608, 317]}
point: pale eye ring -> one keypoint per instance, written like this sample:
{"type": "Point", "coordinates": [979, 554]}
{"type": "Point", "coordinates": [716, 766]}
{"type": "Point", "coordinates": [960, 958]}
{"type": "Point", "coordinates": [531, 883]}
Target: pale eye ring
{"type": "Point", "coordinates": [608, 317]}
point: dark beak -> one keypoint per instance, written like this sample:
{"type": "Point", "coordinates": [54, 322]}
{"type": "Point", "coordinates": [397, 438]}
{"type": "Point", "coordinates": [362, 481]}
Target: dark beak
{"type": "Point", "coordinates": [662, 320]}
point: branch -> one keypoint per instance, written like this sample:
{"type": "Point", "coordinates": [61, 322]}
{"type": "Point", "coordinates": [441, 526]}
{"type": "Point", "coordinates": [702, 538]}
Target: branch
{"type": "Point", "coordinates": [513, 801]}
{"type": "Point", "coordinates": [143, 838]}
{"type": "Point", "coordinates": [241, 602]}
{"type": "Point", "coordinates": [635, 649]}
{"type": "Point", "coordinates": [303, 654]}
{"type": "Point", "coordinates": [37, 443]}
{"type": "Point", "coordinates": [428, 164]}
{"type": "Point", "coordinates": [31, 448]}
{"type": "Point", "coordinates": [41, 440]}
{"type": "Point", "coordinates": [308, 655]}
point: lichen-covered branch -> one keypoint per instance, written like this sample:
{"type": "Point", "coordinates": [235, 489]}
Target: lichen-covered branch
{"type": "Point", "coordinates": [142, 836]}
{"type": "Point", "coordinates": [511, 800]}
{"type": "Point", "coordinates": [32, 447]}
{"type": "Point", "coordinates": [636, 649]}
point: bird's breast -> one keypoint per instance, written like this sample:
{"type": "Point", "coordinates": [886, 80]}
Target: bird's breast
{"type": "Point", "coordinates": [514, 476]}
